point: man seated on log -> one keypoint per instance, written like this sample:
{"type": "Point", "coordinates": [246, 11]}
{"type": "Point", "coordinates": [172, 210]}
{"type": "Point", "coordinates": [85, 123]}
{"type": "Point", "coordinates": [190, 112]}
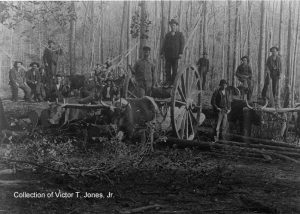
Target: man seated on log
{"type": "Point", "coordinates": [244, 75]}
{"type": "Point", "coordinates": [17, 79]}
{"type": "Point", "coordinates": [90, 92]}
{"type": "Point", "coordinates": [33, 79]}
{"type": "Point", "coordinates": [144, 73]}
{"type": "Point", "coordinates": [58, 90]}
{"type": "Point", "coordinates": [221, 106]}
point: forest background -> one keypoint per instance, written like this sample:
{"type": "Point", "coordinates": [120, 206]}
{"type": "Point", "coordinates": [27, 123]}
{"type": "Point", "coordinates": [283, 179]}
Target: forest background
{"type": "Point", "coordinates": [90, 32]}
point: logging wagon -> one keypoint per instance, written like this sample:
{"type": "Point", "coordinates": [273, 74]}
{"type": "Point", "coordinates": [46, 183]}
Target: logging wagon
{"type": "Point", "coordinates": [179, 106]}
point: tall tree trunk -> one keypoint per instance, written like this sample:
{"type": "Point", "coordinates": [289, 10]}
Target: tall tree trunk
{"type": "Point", "coordinates": [143, 33]}
{"type": "Point", "coordinates": [83, 41]}
{"type": "Point", "coordinates": [267, 30]}
{"type": "Point", "coordinates": [102, 30]}
{"type": "Point", "coordinates": [213, 49]}
{"type": "Point", "coordinates": [201, 31]}
{"type": "Point", "coordinates": [281, 39]}
{"type": "Point", "coordinates": [235, 51]}
{"type": "Point", "coordinates": [128, 32]}
{"type": "Point", "coordinates": [72, 40]}
{"type": "Point", "coordinates": [281, 26]}
{"type": "Point", "coordinates": [249, 29]}
{"type": "Point", "coordinates": [223, 45]}
{"type": "Point", "coordinates": [179, 14]}
{"type": "Point", "coordinates": [289, 62]}
{"type": "Point", "coordinates": [169, 12]}
{"type": "Point", "coordinates": [162, 35]}
{"type": "Point", "coordinates": [294, 76]}
{"type": "Point", "coordinates": [91, 33]}
{"type": "Point", "coordinates": [228, 42]}
{"type": "Point", "coordinates": [204, 24]}
{"type": "Point", "coordinates": [122, 27]}
{"type": "Point", "coordinates": [261, 53]}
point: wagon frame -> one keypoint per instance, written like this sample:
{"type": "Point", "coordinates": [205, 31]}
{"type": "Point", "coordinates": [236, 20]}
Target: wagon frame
{"type": "Point", "coordinates": [184, 101]}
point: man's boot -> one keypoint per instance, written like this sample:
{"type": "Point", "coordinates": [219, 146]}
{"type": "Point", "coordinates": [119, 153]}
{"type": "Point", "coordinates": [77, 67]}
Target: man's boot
{"type": "Point", "coordinates": [216, 138]}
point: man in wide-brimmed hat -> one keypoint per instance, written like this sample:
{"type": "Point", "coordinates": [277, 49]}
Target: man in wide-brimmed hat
{"type": "Point", "coordinates": [244, 75]}
{"type": "Point", "coordinates": [221, 105]}
{"type": "Point", "coordinates": [274, 71]}
{"type": "Point", "coordinates": [203, 68]}
{"type": "Point", "coordinates": [172, 50]}
{"type": "Point", "coordinates": [33, 79]}
{"type": "Point", "coordinates": [144, 73]}
{"type": "Point", "coordinates": [50, 58]}
{"type": "Point", "coordinates": [17, 79]}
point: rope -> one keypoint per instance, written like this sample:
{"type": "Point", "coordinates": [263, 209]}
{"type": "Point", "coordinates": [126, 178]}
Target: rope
{"type": "Point", "coordinates": [128, 52]}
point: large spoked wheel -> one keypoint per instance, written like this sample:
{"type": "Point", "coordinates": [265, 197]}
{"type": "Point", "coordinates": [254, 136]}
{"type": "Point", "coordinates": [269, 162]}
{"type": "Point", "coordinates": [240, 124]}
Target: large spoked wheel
{"type": "Point", "coordinates": [186, 103]}
{"type": "Point", "coordinates": [130, 88]}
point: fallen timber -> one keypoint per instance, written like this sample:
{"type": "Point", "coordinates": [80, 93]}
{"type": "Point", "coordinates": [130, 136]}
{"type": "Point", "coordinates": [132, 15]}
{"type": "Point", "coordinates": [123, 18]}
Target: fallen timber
{"type": "Point", "coordinates": [281, 110]}
{"type": "Point", "coordinates": [252, 140]}
{"type": "Point", "coordinates": [222, 145]}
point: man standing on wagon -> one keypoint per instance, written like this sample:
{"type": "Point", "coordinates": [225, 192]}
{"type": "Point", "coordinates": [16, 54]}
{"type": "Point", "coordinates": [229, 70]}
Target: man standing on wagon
{"type": "Point", "coordinates": [50, 59]}
{"type": "Point", "coordinates": [274, 71]}
{"type": "Point", "coordinates": [144, 72]}
{"type": "Point", "coordinates": [172, 50]}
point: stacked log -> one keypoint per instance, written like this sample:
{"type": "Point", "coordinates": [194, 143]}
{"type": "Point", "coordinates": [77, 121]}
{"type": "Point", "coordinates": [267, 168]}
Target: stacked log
{"type": "Point", "coordinates": [264, 149]}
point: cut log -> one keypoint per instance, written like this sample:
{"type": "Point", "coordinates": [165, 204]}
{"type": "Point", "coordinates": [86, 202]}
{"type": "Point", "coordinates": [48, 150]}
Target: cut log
{"type": "Point", "coordinates": [260, 146]}
{"type": "Point", "coordinates": [290, 154]}
{"type": "Point", "coordinates": [209, 146]}
{"type": "Point", "coordinates": [281, 110]}
{"type": "Point", "coordinates": [141, 209]}
{"type": "Point", "coordinates": [16, 182]}
{"type": "Point", "coordinates": [250, 139]}
{"type": "Point", "coordinates": [206, 146]}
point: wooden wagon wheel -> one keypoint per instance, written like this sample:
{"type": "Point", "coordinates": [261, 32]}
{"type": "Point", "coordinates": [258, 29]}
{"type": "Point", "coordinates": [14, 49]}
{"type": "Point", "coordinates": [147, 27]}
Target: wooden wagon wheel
{"type": "Point", "coordinates": [185, 103]}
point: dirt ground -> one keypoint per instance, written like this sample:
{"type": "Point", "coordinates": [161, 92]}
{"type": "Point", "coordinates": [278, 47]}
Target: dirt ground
{"type": "Point", "coordinates": [175, 181]}
{"type": "Point", "coordinates": [167, 180]}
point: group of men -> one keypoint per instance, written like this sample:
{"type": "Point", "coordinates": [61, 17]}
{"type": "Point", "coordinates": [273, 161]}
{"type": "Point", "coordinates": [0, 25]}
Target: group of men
{"type": "Point", "coordinates": [220, 98]}
{"type": "Point", "coordinates": [35, 83]}
{"type": "Point", "coordinates": [35, 79]}
{"type": "Point", "coordinates": [38, 83]}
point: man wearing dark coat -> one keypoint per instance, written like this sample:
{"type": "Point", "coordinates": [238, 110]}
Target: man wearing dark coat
{"type": "Point", "coordinates": [244, 75]}
{"type": "Point", "coordinates": [58, 90]}
{"type": "Point", "coordinates": [203, 68]}
{"type": "Point", "coordinates": [274, 71]}
{"type": "Point", "coordinates": [17, 79]}
{"type": "Point", "coordinates": [172, 50]}
{"type": "Point", "coordinates": [50, 59]}
{"type": "Point", "coordinates": [221, 106]}
{"type": "Point", "coordinates": [144, 72]}
{"type": "Point", "coordinates": [33, 79]}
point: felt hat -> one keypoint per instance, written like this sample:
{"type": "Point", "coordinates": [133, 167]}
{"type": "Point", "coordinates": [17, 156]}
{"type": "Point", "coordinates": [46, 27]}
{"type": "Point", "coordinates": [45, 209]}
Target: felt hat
{"type": "Point", "coordinates": [16, 62]}
{"type": "Point", "coordinates": [34, 63]}
{"type": "Point", "coordinates": [223, 82]}
{"type": "Point", "coordinates": [245, 57]}
{"type": "Point", "coordinates": [146, 48]}
{"type": "Point", "coordinates": [173, 21]}
{"type": "Point", "coordinates": [274, 47]}
{"type": "Point", "coordinates": [50, 41]}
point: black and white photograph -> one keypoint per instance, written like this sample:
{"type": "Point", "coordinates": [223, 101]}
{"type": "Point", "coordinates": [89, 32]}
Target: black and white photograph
{"type": "Point", "coordinates": [154, 107]}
